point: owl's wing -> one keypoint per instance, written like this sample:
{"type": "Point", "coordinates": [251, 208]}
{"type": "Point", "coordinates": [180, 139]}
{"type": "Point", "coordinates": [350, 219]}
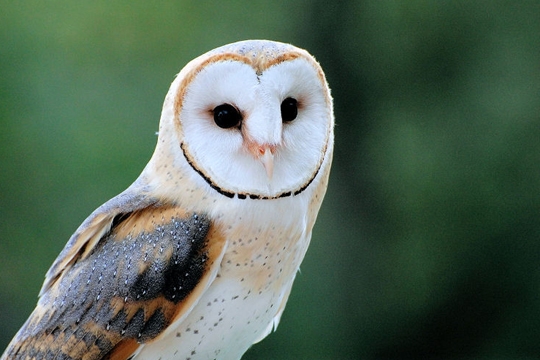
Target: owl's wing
{"type": "Point", "coordinates": [133, 267]}
{"type": "Point", "coordinates": [95, 227]}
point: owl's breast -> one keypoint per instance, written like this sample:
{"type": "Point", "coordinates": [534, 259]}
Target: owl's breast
{"type": "Point", "coordinates": [263, 254]}
{"type": "Point", "coordinates": [246, 298]}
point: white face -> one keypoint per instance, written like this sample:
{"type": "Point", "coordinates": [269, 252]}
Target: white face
{"type": "Point", "coordinates": [239, 137]}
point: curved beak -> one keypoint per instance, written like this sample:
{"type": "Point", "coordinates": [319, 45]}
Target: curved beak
{"type": "Point", "coordinates": [267, 160]}
{"type": "Point", "coordinates": [265, 154]}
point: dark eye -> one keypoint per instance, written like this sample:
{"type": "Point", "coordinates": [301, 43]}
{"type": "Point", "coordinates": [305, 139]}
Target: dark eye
{"type": "Point", "coordinates": [289, 109]}
{"type": "Point", "coordinates": [226, 116]}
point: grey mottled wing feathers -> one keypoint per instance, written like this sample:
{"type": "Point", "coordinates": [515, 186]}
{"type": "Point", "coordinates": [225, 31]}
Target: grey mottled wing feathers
{"type": "Point", "coordinates": [126, 289]}
{"type": "Point", "coordinates": [94, 227]}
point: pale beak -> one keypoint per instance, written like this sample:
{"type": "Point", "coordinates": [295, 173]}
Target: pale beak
{"type": "Point", "coordinates": [265, 154]}
{"type": "Point", "coordinates": [267, 160]}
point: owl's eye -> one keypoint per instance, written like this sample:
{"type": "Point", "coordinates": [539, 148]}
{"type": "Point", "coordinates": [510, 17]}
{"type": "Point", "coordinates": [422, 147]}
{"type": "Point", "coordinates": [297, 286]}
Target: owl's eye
{"type": "Point", "coordinates": [289, 109]}
{"type": "Point", "coordinates": [226, 116]}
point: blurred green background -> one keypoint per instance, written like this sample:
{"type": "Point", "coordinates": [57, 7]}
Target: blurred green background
{"type": "Point", "coordinates": [427, 245]}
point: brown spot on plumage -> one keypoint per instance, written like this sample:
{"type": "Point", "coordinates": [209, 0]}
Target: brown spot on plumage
{"type": "Point", "coordinates": [123, 350]}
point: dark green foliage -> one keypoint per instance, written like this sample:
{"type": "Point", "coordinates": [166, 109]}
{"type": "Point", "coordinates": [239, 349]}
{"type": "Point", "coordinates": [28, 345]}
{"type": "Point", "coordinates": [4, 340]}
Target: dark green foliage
{"type": "Point", "coordinates": [428, 244]}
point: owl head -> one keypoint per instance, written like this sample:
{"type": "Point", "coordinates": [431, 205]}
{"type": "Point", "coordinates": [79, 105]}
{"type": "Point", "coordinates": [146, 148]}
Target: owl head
{"type": "Point", "coordinates": [249, 120]}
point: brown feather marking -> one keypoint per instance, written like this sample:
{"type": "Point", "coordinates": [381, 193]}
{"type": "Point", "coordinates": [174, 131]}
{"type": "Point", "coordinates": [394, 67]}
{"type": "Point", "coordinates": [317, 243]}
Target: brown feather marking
{"type": "Point", "coordinates": [123, 350]}
{"type": "Point", "coordinates": [147, 220]}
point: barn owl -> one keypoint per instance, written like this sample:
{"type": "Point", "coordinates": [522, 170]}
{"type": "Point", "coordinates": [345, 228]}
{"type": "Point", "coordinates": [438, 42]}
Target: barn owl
{"type": "Point", "coordinates": [196, 259]}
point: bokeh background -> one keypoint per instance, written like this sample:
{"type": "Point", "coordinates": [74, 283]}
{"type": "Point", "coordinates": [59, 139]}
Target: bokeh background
{"type": "Point", "coordinates": [427, 245]}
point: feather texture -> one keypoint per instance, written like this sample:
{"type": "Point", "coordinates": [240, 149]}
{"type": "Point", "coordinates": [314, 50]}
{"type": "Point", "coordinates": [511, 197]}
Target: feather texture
{"type": "Point", "coordinates": [133, 283]}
